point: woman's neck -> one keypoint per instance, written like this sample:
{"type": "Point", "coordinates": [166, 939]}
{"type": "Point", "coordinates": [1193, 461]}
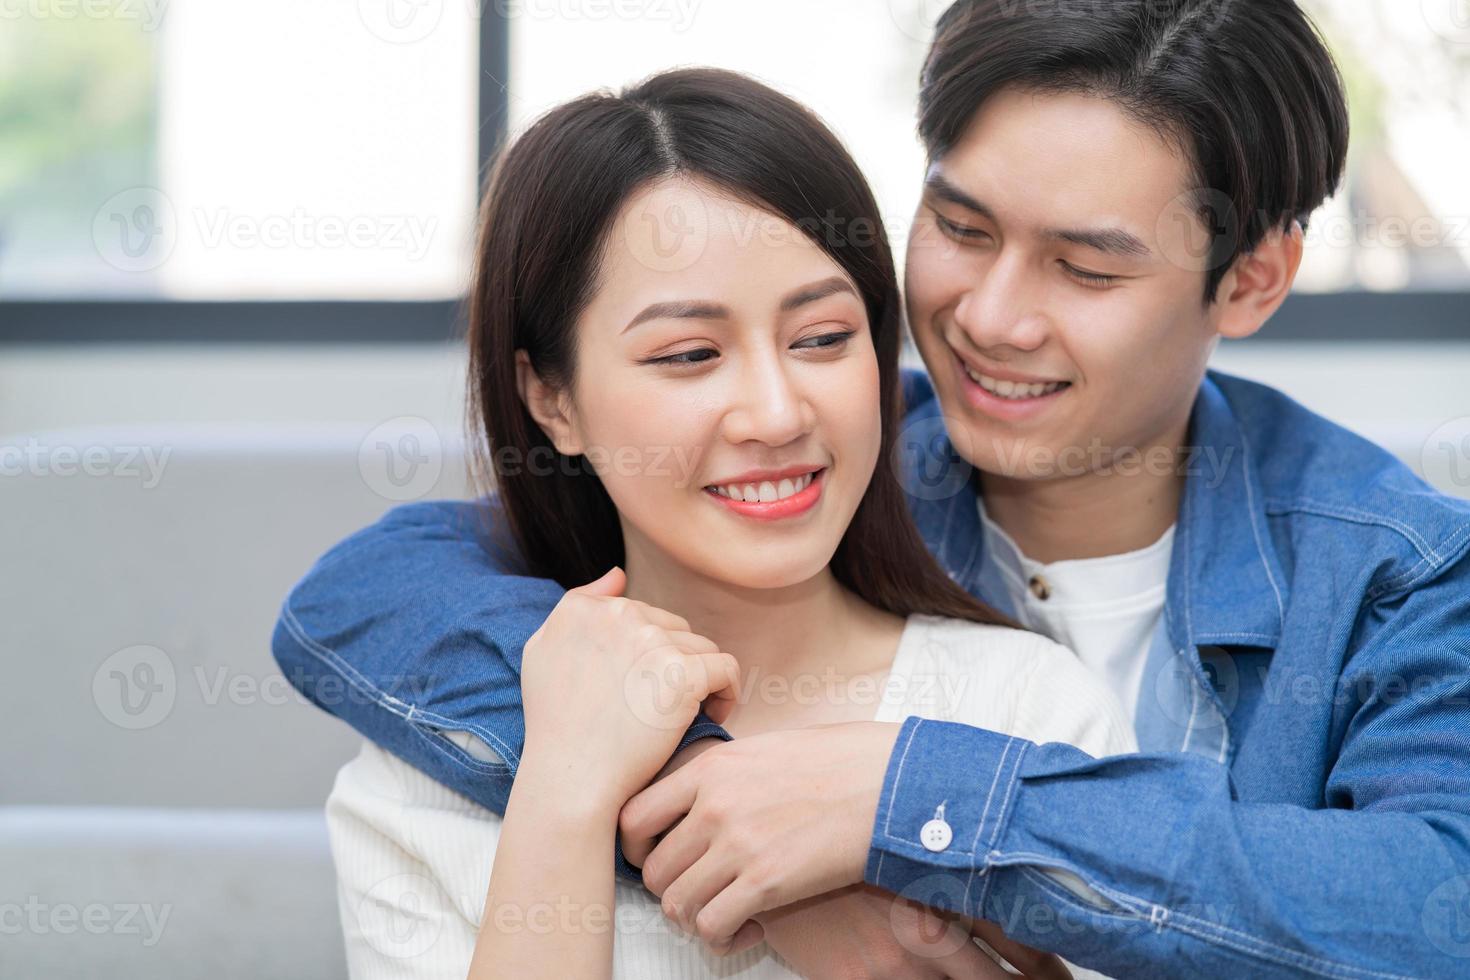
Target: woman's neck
{"type": "Point", "coordinates": [811, 627]}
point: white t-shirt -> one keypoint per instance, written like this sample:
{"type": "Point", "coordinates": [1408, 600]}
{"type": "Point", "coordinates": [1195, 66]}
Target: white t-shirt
{"type": "Point", "coordinates": [414, 858]}
{"type": "Point", "coordinates": [1104, 609]}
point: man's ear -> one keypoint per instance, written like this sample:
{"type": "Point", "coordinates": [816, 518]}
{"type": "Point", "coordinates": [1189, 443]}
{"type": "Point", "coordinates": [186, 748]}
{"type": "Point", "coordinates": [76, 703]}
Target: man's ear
{"type": "Point", "coordinates": [548, 406]}
{"type": "Point", "coordinates": [1256, 286]}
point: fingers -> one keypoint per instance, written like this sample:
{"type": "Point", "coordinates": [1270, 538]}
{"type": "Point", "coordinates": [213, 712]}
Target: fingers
{"type": "Point", "coordinates": [684, 900]}
{"type": "Point", "coordinates": [1033, 963]}
{"type": "Point", "coordinates": [654, 810]}
{"type": "Point", "coordinates": [612, 583]}
{"type": "Point", "coordinates": [723, 902]}
{"type": "Point", "coordinates": [672, 856]}
{"type": "Point", "coordinates": [719, 709]}
{"type": "Point", "coordinates": [662, 617]}
{"type": "Point", "coordinates": [748, 935]}
{"type": "Point", "coordinates": [720, 681]}
{"type": "Point", "coordinates": [970, 962]}
{"type": "Point", "coordinates": [691, 642]}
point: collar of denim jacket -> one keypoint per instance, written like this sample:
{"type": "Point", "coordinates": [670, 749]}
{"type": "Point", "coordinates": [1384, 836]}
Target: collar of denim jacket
{"type": "Point", "coordinates": [1226, 584]}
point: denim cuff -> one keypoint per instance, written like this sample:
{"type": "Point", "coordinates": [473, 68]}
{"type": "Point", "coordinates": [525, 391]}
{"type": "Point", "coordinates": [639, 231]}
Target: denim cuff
{"type": "Point", "coordinates": [702, 728]}
{"type": "Point", "coordinates": [947, 794]}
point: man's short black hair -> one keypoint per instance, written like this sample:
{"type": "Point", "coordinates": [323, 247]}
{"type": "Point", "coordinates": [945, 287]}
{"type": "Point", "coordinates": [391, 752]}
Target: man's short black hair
{"type": "Point", "coordinates": [1246, 88]}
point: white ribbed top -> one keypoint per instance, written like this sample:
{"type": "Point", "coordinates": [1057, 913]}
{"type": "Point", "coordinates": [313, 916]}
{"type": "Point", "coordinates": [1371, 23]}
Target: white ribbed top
{"type": "Point", "coordinates": [413, 857]}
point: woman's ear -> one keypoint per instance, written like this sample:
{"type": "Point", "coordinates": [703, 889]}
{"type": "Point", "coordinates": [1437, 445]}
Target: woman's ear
{"type": "Point", "coordinates": [1259, 282]}
{"type": "Point", "coordinates": [550, 408]}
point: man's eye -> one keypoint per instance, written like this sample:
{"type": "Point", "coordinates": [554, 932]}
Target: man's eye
{"type": "Point", "coordinates": [826, 340]}
{"type": "Point", "coordinates": [698, 356]}
{"type": "Point", "coordinates": [963, 232]}
{"type": "Point", "coordinates": [1096, 280]}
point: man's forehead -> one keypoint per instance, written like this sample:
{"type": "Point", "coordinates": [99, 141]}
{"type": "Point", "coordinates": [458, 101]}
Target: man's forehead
{"type": "Point", "coordinates": [1067, 145]}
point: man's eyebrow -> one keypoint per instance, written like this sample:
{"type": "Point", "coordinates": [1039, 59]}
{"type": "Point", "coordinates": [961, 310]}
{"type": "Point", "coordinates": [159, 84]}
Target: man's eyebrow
{"type": "Point", "coordinates": [941, 188]}
{"type": "Point", "coordinates": [683, 309]}
{"type": "Point", "coordinates": [1113, 241]}
{"type": "Point", "coordinates": [817, 290]}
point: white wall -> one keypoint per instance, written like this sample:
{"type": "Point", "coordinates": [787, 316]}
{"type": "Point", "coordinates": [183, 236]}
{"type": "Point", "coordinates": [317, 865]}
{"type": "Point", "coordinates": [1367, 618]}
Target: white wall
{"type": "Point", "coordinates": [1400, 395]}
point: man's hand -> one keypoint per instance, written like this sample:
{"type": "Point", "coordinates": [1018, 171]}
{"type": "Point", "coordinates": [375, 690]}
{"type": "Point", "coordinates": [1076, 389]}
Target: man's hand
{"type": "Point", "coordinates": [864, 932]}
{"type": "Point", "coordinates": [766, 821]}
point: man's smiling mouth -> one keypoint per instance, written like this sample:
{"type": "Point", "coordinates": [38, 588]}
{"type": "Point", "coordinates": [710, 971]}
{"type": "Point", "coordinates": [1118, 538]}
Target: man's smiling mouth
{"type": "Point", "coordinates": [1011, 389]}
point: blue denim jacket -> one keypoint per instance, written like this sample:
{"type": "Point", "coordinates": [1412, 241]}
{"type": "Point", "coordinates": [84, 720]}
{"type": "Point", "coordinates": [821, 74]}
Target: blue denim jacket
{"type": "Point", "coordinates": [1301, 803]}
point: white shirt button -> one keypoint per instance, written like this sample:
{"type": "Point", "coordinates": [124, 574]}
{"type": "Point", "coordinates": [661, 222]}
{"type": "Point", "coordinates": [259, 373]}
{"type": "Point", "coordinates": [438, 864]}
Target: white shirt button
{"type": "Point", "coordinates": [935, 835]}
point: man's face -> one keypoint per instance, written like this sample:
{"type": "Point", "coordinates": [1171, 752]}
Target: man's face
{"type": "Point", "coordinates": [1054, 288]}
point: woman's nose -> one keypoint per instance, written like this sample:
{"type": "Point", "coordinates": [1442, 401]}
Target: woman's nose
{"type": "Point", "coordinates": [769, 406]}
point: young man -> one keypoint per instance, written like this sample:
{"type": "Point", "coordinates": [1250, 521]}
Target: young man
{"type": "Point", "coordinates": [1284, 608]}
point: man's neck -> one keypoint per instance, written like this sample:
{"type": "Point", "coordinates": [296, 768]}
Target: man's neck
{"type": "Point", "coordinates": [1089, 516]}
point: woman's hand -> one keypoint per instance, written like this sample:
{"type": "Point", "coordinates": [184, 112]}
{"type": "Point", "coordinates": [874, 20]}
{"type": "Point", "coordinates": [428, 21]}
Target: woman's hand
{"type": "Point", "coordinates": [610, 685]}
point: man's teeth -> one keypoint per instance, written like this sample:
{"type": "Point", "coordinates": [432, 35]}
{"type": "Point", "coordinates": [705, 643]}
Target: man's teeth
{"type": "Point", "coordinates": [1012, 390]}
{"type": "Point", "coordinates": [765, 492]}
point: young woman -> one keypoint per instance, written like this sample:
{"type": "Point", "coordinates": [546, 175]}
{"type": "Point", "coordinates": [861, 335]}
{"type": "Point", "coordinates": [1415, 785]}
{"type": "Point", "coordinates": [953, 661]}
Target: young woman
{"type": "Point", "coordinates": [684, 345]}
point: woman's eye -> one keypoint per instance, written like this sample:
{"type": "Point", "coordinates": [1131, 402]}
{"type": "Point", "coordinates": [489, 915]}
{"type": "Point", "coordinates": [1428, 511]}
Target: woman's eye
{"type": "Point", "coordinates": [826, 340]}
{"type": "Point", "coordinates": [962, 232]}
{"type": "Point", "coordinates": [685, 357]}
{"type": "Point", "coordinates": [1096, 280]}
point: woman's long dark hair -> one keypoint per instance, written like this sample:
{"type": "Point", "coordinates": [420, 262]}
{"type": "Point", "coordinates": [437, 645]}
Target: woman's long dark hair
{"type": "Point", "coordinates": [551, 200]}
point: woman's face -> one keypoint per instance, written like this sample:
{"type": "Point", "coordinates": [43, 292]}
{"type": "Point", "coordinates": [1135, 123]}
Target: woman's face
{"type": "Point", "coordinates": [726, 389]}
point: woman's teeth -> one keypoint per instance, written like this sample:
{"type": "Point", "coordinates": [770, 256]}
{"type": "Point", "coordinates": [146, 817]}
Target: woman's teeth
{"type": "Point", "coordinates": [765, 492]}
{"type": "Point", "coordinates": [1011, 389]}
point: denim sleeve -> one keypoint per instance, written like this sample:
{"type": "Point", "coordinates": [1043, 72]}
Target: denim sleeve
{"type": "Point", "coordinates": [414, 627]}
{"type": "Point", "coordinates": [1150, 864]}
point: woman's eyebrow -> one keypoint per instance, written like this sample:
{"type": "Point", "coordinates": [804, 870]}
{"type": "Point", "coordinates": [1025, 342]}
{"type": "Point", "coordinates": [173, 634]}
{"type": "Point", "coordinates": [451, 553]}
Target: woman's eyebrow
{"type": "Point", "coordinates": [680, 310]}
{"type": "Point", "coordinates": [691, 309]}
{"type": "Point", "coordinates": [830, 286]}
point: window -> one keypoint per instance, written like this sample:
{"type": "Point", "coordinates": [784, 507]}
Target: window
{"type": "Point", "coordinates": [196, 150]}
{"type": "Point", "coordinates": [308, 170]}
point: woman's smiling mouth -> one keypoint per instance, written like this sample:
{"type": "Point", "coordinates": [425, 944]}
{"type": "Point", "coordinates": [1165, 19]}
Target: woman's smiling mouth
{"type": "Point", "coordinates": [777, 496]}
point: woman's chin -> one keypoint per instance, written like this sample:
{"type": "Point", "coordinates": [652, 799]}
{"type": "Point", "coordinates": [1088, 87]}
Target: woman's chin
{"type": "Point", "coordinates": [762, 569]}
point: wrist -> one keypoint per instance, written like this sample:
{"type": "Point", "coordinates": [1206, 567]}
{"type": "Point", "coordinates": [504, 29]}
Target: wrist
{"type": "Point", "coordinates": [568, 788]}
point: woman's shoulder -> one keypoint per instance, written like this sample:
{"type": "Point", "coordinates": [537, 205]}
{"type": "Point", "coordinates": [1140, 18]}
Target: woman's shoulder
{"type": "Point", "coordinates": [946, 635]}
{"type": "Point", "coordinates": [377, 785]}
{"type": "Point", "coordinates": [1019, 682]}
